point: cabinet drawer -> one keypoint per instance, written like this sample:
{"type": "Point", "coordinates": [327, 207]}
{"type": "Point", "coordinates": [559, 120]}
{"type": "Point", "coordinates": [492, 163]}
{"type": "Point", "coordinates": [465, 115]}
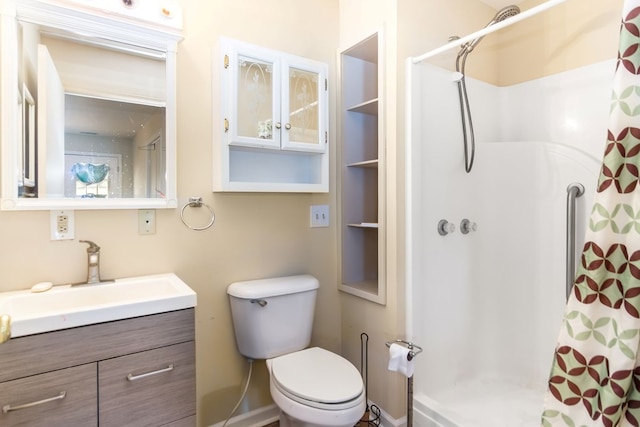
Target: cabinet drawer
{"type": "Point", "coordinates": [78, 407]}
{"type": "Point", "coordinates": [36, 354]}
{"type": "Point", "coordinates": [150, 388]}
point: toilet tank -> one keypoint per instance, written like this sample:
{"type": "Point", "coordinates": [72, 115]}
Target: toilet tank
{"type": "Point", "coordinates": [272, 317]}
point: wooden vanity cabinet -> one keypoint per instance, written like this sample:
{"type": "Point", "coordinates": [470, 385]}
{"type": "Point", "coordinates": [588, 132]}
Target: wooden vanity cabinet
{"type": "Point", "coordinates": [109, 374]}
{"type": "Point", "coordinates": [153, 387]}
{"type": "Point", "coordinates": [69, 397]}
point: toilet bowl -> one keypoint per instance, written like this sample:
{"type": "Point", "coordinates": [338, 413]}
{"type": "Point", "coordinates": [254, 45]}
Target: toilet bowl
{"type": "Point", "coordinates": [316, 388]}
{"type": "Point", "coordinates": [313, 387]}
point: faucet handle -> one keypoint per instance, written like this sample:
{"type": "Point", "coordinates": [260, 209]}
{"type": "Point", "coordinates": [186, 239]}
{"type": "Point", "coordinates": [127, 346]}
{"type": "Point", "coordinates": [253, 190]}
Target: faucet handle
{"type": "Point", "coordinates": [92, 246]}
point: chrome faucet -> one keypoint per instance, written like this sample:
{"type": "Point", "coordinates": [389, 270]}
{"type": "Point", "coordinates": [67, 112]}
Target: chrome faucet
{"type": "Point", "coordinates": [93, 255]}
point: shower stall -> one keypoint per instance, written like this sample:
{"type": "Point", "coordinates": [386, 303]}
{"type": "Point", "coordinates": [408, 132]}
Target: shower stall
{"type": "Point", "coordinates": [487, 249]}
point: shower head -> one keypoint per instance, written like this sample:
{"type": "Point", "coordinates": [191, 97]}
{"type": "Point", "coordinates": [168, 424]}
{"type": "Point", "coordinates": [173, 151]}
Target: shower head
{"type": "Point", "coordinates": [504, 13]}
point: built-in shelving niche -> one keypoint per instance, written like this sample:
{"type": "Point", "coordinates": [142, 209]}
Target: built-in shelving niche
{"type": "Point", "coordinates": [362, 180]}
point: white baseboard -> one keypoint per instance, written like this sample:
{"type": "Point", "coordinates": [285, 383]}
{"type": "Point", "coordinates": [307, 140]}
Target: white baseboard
{"type": "Point", "coordinates": [256, 418]}
{"type": "Point", "coordinates": [387, 420]}
{"type": "Point", "coordinates": [269, 414]}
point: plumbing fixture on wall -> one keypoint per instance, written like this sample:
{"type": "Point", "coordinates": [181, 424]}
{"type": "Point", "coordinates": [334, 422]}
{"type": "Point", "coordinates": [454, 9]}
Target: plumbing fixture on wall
{"type": "Point", "coordinates": [467, 226]}
{"type": "Point", "coordinates": [465, 111]}
{"type": "Point", "coordinates": [445, 227]}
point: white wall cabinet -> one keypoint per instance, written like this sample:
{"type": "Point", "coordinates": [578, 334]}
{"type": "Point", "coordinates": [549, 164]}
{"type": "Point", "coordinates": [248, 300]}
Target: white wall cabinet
{"type": "Point", "coordinates": [362, 183]}
{"type": "Point", "coordinates": [271, 120]}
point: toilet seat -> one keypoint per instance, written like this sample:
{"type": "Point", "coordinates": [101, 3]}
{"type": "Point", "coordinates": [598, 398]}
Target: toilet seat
{"type": "Point", "coordinates": [318, 378]}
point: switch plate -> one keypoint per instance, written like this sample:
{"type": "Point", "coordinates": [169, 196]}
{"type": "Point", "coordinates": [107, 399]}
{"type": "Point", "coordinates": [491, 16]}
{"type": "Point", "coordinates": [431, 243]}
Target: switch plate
{"type": "Point", "coordinates": [62, 225]}
{"type": "Point", "coordinates": [146, 221]}
{"type": "Point", "coordinates": [319, 216]}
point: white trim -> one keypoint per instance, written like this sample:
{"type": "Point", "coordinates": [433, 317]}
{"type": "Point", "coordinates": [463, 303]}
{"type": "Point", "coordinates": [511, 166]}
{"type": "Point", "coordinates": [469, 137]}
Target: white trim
{"type": "Point", "coordinates": [488, 30]}
{"type": "Point", "coordinates": [256, 418]}
{"type": "Point", "coordinates": [270, 414]}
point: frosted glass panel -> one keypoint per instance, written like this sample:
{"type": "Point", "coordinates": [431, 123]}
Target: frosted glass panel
{"type": "Point", "coordinates": [255, 98]}
{"type": "Point", "coordinates": [303, 105]}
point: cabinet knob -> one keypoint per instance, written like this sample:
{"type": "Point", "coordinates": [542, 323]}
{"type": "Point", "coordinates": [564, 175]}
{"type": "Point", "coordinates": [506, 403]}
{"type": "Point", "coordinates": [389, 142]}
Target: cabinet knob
{"type": "Point", "coordinates": [278, 125]}
{"type": "Point", "coordinates": [287, 126]}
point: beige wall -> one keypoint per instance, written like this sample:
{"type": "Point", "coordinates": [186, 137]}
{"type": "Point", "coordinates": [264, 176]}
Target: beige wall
{"type": "Point", "coordinates": [255, 235]}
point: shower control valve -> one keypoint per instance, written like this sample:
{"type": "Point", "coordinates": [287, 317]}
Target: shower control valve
{"type": "Point", "coordinates": [445, 227]}
{"type": "Point", "coordinates": [467, 226]}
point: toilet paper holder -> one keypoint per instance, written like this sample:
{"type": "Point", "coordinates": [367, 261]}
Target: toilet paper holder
{"type": "Point", "coordinates": [414, 349]}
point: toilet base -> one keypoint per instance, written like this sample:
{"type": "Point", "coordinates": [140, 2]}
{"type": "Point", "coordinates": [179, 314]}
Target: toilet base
{"type": "Point", "coordinates": [287, 421]}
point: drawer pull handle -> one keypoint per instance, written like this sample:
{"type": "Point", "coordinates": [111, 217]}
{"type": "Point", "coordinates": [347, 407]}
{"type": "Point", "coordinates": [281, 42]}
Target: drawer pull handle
{"type": "Point", "coordinates": [9, 408]}
{"type": "Point", "coordinates": [132, 377]}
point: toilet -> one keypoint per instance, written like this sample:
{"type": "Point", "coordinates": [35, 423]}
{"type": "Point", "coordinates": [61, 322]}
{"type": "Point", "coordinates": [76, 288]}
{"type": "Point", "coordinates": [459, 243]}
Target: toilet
{"type": "Point", "coordinates": [312, 387]}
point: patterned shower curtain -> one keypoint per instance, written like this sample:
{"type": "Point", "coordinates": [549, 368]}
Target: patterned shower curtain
{"type": "Point", "coordinates": [595, 377]}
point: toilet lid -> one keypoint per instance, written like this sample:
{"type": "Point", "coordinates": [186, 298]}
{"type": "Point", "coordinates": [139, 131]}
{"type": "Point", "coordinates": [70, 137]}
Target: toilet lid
{"type": "Point", "coordinates": [317, 376]}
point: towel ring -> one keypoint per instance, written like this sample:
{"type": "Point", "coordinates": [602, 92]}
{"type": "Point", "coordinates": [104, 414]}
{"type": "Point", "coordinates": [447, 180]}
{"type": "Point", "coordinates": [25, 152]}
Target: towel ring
{"type": "Point", "coordinates": [196, 202]}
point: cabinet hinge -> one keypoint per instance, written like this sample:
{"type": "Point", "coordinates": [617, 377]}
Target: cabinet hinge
{"type": "Point", "coordinates": [326, 85]}
{"type": "Point", "coordinates": [226, 61]}
{"type": "Point", "coordinates": [226, 125]}
{"type": "Point", "coordinates": [326, 137]}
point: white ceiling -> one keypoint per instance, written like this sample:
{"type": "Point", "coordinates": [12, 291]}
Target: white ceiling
{"type": "Point", "coordinates": [499, 4]}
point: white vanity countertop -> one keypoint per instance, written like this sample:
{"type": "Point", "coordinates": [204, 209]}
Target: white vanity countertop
{"type": "Point", "coordinates": [66, 306]}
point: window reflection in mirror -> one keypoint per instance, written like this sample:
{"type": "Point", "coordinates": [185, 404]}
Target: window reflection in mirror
{"type": "Point", "coordinates": [127, 138]}
{"type": "Point", "coordinates": [100, 116]}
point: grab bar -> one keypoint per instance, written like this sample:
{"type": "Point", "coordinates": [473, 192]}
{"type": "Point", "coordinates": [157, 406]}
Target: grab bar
{"type": "Point", "coordinates": [574, 190]}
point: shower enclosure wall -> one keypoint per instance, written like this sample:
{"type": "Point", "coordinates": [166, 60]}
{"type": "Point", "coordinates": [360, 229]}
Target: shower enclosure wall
{"type": "Point", "coordinates": [486, 306]}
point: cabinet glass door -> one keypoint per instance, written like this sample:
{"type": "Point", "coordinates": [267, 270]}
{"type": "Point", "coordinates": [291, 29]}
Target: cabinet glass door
{"type": "Point", "coordinates": [257, 102]}
{"type": "Point", "coordinates": [304, 104]}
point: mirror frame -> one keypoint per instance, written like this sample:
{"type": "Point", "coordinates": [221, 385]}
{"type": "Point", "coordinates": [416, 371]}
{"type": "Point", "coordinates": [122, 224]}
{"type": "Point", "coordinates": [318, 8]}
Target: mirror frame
{"type": "Point", "coordinates": [102, 27]}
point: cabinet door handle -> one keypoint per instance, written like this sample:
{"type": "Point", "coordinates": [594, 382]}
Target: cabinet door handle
{"type": "Point", "coordinates": [132, 377]}
{"type": "Point", "coordinates": [9, 408]}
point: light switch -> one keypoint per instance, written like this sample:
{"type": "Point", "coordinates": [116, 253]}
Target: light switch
{"type": "Point", "coordinates": [319, 216]}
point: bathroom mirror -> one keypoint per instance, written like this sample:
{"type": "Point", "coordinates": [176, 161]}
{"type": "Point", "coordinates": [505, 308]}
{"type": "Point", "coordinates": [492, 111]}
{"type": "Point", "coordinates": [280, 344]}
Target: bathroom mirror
{"type": "Point", "coordinates": [88, 114]}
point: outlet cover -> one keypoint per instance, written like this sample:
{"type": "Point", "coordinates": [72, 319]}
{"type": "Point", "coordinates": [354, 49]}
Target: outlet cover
{"type": "Point", "coordinates": [319, 216]}
{"type": "Point", "coordinates": [146, 221]}
{"type": "Point", "coordinates": [62, 225]}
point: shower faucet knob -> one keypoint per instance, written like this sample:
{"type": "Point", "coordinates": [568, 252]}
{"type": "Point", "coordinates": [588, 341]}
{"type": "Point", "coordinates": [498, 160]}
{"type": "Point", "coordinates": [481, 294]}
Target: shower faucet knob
{"type": "Point", "coordinates": [445, 227]}
{"type": "Point", "coordinates": [467, 226]}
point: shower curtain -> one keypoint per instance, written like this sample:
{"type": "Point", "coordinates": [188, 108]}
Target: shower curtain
{"type": "Point", "coordinates": [595, 377]}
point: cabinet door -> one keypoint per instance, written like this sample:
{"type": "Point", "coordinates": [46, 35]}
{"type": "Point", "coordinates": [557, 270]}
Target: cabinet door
{"type": "Point", "coordinates": [151, 388]}
{"type": "Point", "coordinates": [254, 103]}
{"type": "Point", "coordinates": [304, 105]}
{"type": "Point", "coordinates": [63, 398]}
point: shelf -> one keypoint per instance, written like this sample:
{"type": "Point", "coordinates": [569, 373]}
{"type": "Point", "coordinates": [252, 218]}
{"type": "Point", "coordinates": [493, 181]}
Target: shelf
{"type": "Point", "coordinates": [367, 49]}
{"type": "Point", "coordinates": [364, 225]}
{"type": "Point", "coordinates": [364, 164]}
{"type": "Point", "coordinates": [367, 107]}
{"type": "Point", "coordinates": [367, 289]}
{"type": "Point", "coordinates": [362, 245]}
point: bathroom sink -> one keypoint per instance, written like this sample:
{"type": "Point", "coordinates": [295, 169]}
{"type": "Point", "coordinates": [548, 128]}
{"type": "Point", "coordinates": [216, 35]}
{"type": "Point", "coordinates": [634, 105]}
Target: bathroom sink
{"type": "Point", "coordinates": [67, 306]}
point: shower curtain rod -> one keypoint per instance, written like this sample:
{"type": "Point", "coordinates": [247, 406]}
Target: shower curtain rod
{"type": "Point", "coordinates": [488, 30]}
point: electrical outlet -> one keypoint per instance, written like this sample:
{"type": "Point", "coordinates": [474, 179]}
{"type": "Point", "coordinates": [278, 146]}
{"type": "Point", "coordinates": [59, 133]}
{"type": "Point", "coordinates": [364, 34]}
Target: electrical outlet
{"type": "Point", "coordinates": [319, 216]}
{"type": "Point", "coordinates": [146, 221]}
{"type": "Point", "coordinates": [62, 225]}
